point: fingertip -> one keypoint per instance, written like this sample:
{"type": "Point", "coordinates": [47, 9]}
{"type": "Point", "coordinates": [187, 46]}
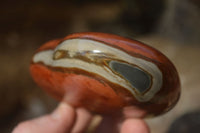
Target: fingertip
{"type": "Point", "coordinates": [60, 121]}
{"type": "Point", "coordinates": [83, 120]}
{"type": "Point", "coordinates": [20, 128]}
{"type": "Point", "coordinates": [63, 110]}
{"type": "Point", "coordinates": [64, 116]}
{"type": "Point", "coordinates": [134, 126]}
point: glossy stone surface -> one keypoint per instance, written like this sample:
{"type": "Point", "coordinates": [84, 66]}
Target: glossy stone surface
{"type": "Point", "coordinates": [105, 73]}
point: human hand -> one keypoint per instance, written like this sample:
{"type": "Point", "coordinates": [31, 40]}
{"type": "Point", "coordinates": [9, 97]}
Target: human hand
{"type": "Point", "coordinates": [66, 119]}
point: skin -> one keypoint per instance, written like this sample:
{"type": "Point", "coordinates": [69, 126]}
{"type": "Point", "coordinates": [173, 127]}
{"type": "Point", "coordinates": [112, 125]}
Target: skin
{"type": "Point", "coordinates": [66, 119]}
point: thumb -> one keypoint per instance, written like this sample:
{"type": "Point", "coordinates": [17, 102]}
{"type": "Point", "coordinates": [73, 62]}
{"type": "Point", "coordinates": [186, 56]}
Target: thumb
{"type": "Point", "coordinates": [60, 121]}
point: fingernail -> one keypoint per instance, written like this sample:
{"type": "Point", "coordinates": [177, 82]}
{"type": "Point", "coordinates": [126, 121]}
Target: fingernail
{"type": "Point", "coordinates": [57, 113]}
